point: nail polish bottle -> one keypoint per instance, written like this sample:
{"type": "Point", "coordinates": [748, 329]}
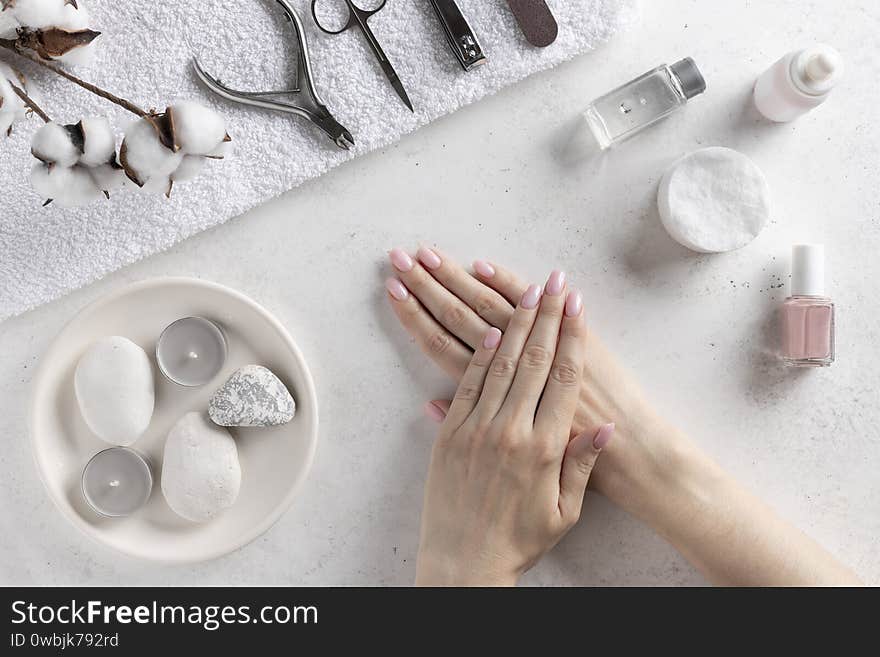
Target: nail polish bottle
{"type": "Point", "coordinates": [798, 82]}
{"type": "Point", "coordinates": [808, 315]}
{"type": "Point", "coordinates": [627, 110]}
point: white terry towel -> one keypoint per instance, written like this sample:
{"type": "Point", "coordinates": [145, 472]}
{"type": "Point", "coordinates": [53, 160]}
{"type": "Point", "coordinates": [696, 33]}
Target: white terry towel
{"type": "Point", "coordinates": [144, 56]}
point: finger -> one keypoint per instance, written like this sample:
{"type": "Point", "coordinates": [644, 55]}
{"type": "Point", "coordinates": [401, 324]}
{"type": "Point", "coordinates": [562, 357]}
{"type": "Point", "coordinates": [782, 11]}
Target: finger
{"type": "Point", "coordinates": [537, 356]}
{"type": "Point", "coordinates": [481, 299]}
{"type": "Point", "coordinates": [577, 465]}
{"type": "Point", "coordinates": [503, 368]}
{"type": "Point", "coordinates": [436, 409]}
{"type": "Point", "coordinates": [441, 346]}
{"type": "Point", "coordinates": [447, 309]}
{"type": "Point", "coordinates": [505, 282]}
{"type": "Point", "coordinates": [560, 399]}
{"type": "Point", "coordinates": [471, 386]}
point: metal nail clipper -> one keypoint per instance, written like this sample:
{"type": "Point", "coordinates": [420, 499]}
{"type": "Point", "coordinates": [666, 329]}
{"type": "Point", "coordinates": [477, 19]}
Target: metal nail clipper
{"type": "Point", "coordinates": [461, 37]}
{"type": "Point", "coordinates": [307, 103]}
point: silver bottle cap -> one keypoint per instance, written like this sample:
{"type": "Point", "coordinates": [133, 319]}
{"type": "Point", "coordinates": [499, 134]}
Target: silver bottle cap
{"type": "Point", "coordinates": [692, 81]}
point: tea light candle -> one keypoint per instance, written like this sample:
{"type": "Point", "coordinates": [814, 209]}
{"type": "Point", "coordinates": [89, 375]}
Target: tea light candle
{"type": "Point", "coordinates": [117, 482]}
{"type": "Point", "coordinates": [191, 351]}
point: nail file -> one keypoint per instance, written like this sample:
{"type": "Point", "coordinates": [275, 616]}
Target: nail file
{"type": "Point", "coordinates": [535, 20]}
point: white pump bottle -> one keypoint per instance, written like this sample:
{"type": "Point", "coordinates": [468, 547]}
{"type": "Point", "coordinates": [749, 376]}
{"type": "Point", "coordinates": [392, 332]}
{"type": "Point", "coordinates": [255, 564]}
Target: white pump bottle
{"type": "Point", "coordinates": [798, 82]}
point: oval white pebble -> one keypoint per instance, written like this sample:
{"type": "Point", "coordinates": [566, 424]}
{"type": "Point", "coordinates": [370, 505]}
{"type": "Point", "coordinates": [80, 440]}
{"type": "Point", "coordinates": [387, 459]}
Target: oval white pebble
{"type": "Point", "coordinates": [114, 388]}
{"type": "Point", "coordinates": [714, 200]}
{"type": "Point", "coordinates": [201, 474]}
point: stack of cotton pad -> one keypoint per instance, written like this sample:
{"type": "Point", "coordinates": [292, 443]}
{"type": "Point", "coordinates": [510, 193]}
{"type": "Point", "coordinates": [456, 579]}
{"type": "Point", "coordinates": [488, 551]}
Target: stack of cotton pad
{"type": "Point", "coordinates": [713, 200]}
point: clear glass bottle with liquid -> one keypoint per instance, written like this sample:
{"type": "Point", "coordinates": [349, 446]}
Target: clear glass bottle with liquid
{"type": "Point", "coordinates": [627, 110]}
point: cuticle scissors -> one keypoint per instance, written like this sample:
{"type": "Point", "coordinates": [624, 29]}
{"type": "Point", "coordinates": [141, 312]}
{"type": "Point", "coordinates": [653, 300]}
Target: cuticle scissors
{"type": "Point", "coordinates": [358, 17]}
{"type": "Point", "coordinates": [314, 109]}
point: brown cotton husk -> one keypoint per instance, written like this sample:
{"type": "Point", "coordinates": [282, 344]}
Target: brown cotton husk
{"type": "Point", "coordinates": [77, 135]}
{"type": "Point", "coordinates": [163, 124]}
{"type": "Point", "coordinates": [129, 172]}
{"type": "Point", "coordinates": [56, 42]}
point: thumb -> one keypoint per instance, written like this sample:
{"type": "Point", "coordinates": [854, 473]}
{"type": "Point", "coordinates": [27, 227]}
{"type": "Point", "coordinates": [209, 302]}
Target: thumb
{"type": "Point", "coordinates": [577, 465]}
{"type": "Point", "coordinates": [437, 409]}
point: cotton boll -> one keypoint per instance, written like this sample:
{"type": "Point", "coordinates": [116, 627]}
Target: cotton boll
{"type": "Point", "coordinates": [80, 189]}
{"type": "Point", "coordinates": [198, 130]}
{"type": "Point", "coordinates": [158, 185]}
{"type": "Point", "coordinates": [99, 144]}
{"type": "Point", "coordinates": [73, 18]}
{"type": "Point", "coordinates": [53, 143]}
{"type": "Point", "coordinates": [225, 149]}
{"type": "Point", "coordinates": [143, 155]}
{"type": "Point", "coordinates": [107, 178]}
{"type": "Point", "coordinates": [8, 24]}
{"type": "Point", "coordinates": [190, 167]}
{"type": "Point", "coordinates": [6, 120]}
{"type": "Point", "coordinates": [39, 13]}
{"type": "Point", "coordinates": [50, 182]}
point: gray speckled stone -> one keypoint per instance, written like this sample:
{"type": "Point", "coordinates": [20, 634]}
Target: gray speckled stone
{"type": "Point", "coordinates": [252, 397]}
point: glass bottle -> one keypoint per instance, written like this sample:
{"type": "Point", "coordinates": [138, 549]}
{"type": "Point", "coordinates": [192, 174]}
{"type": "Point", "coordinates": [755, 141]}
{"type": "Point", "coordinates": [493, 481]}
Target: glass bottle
{"type": "Point", "coordinates": [634, 106]}
{"type": "Point", "coordinates": [808, 315]}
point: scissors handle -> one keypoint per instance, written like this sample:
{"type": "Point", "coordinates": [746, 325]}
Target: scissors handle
{"type": "Point", "coordinates": [356, 16]}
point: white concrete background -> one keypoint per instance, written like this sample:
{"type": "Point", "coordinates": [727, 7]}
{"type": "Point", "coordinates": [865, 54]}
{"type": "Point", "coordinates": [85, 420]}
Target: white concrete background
{"type": "Point", "coordinates": [497, 180]}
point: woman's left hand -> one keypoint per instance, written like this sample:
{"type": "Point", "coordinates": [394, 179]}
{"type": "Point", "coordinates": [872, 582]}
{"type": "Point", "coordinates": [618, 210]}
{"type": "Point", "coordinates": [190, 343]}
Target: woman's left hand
{"type": "Point", "coordinates": [505, 484]}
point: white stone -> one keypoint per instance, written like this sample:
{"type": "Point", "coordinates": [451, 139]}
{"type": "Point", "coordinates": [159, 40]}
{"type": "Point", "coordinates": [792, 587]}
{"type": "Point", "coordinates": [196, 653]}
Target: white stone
{"type": "Point", "coordinates": [252, 397]}
{"type": "Point", "coordinates": [115, 390]}
{"type": "Point", "coordinates": [201, 474]}
{"type": "Point", "coordinates": [713, 200]}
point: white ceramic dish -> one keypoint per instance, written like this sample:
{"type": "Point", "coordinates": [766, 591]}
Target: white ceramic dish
{"type": "Point", "coordinates": [274, 461]}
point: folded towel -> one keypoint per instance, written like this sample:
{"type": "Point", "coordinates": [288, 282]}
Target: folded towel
{"type": "Point", "coordinates": [144, 56]}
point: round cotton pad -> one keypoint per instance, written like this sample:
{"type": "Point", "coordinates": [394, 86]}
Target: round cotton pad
{"type": "Point", "coordinates": [713, 200]}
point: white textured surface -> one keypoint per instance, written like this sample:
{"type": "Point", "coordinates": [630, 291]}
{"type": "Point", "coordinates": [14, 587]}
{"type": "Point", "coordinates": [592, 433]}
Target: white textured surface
{"type": "Point", "coordinates": [714, 200]}
{"type": "Point", "coordinates": [144, 56]}
{"type": "Point", "coordinates": [489, 182]}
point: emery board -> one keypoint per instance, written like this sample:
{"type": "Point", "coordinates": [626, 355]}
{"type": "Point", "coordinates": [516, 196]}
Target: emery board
{"type": "Point", "coordinates": [535, 20]}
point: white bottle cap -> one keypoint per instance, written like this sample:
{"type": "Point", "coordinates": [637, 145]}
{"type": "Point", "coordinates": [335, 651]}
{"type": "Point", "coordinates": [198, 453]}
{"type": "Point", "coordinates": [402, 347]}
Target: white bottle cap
{"type": "Point", "coordinates": [816, 70]}
{"type": "Point", "coordinates": [807, 270]}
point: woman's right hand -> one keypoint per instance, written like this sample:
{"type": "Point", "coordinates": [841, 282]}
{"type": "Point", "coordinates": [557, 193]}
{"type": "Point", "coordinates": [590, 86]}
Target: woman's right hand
{"type": "Point", "coordinates": [448, 310]}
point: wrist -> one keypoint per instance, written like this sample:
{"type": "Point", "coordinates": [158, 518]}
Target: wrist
{"type": "Point", "coordinates": [438, 571]}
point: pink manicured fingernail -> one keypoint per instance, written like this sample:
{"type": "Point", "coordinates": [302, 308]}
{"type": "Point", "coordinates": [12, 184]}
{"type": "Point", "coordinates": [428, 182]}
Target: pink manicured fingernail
{"type": "Point", "coordinates": [531, 297]}
{"type": "Point", "coordinates": [484, 269]}
{"type": "Point", "coordinates": [434, 412]}
{"type": "Point", "coordinates": [492, 338]}
{"type": "Point", "coordinates": [428, 258]}
{"type": "Point", "coordinates": [401, 260]}
{"type": "Point", "coordinates": [573, 304]}
{"type": "Point", "coordinates": [555, 283]}
{"type": "Point", "coordinates": [396, 289]}
{"type": "Point", "coordinates": [603, 435]}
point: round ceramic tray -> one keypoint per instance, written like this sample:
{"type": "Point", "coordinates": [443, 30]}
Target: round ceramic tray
{"type": "Point", "coordinates": [274, 461]}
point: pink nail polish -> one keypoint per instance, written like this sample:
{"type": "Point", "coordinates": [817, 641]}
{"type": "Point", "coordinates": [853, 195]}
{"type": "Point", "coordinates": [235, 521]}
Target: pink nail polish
{"type": "Point", "coordinates": [428, 258]}
{"type": "Point", "coordinates": [396, 289]}
{"type": "Point", "coordinates": [808, 315]}
{"type": "Point", "coordinates": [492, 338]}
{"type": "Point", "coordinates": [531, 297]}
{"type": "Point", "coordinates": [401, 260]}
{"type": "Point", "coordinates": [555, 283]}
{"type": "Point", "coordinates": [484, 269]}
{"type": "Point", "coordinates": [434, 412]}
{"type": "Point", "coordinates": [603, 435]}
{"type": "Point", "coordinates": [573, 304]}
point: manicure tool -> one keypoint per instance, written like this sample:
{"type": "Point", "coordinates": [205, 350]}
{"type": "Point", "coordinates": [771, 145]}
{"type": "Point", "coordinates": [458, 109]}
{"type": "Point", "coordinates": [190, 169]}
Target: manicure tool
{"type": "Point", "coordinates": [535, 20]}
{"type": "Point", "coordinates": [307, 103]}
{"type": "Point", "coordinates": [461, 37]}
{"type": "Point", "coordinates": [358, 17]}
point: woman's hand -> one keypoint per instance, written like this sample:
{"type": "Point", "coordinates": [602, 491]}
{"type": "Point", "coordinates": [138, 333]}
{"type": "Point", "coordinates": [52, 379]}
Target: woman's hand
{"type": "Point", "coordinates": [505, 484]}
{"type": "Point", "coordinates": [448, 310]}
